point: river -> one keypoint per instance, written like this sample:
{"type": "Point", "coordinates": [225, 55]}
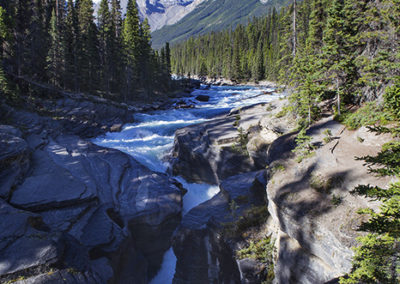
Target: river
{"type": "Point", "coordinates": [150, 140]}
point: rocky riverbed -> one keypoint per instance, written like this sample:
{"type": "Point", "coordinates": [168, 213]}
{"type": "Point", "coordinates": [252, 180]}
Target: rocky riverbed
{"type": "Point", "coordinates": [85, 212]}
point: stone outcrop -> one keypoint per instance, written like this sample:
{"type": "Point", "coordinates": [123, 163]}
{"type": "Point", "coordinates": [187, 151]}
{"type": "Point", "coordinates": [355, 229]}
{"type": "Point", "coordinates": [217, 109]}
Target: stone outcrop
{"type": "Point", "coordinates": [203, 244]}
{"type": "Point", "coordinates": [75, 211]}
{"type": "Point", "coordinates": [312, 219]}
{"type": "Point", "coordinates": [225, 146]}
{"type": "Point", "coordinates": [313, 214]}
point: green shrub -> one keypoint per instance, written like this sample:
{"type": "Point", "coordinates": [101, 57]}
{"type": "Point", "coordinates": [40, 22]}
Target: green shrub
{"type": "Point", "coordinates": [261, 250]}
{"type": "Point", "coordinates": [241, 146]}
{"type": "Point", "coordinates": [282, 113]}
{"type": "Point", "coordinates": [277, 168]}
{"type": "Point", "coordinates": [304, 149]}
{"type": "Point", "coordinates": [371, 113]}
{"type": "Point", "coordinates": [392, 100]}
{"type": "Point", "coordinates": [336, 200]}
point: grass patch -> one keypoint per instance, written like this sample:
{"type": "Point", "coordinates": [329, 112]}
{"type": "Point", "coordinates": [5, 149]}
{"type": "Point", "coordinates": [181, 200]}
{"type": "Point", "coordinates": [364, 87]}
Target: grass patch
{"type": "Point", "coordinates": [277, 168]}
{"type": "Point", "coordinates": [282, 113]}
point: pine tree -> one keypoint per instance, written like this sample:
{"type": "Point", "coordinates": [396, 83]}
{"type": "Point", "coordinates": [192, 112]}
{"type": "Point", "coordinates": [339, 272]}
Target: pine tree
{"type": "Point", "coordinates": [377, 260]}
{"type": "Point", "coordinates": [21, 13]}
{"type": "Point", "coordinates": [317, 25]}
{"type": "Point", "coordinates": [168, 58]}
{"type": "Point", "coordinates": [338, 57]}
{"type": "Point", "coordinates": [88, 54]}
{"type": "Point", "coordinates": [55, 54]}
{"type": "Point", "coordinates": [37, 38]}
{"type": "Point", "coordinates": [72, 47]}
{"type": "Point", "coordinates": [4, 30]}
{"type": "Point", "coordinates": [131, 42]}
{"type": "Point", "coordinates": [117, 66]}
{"type": "Point", "coordinates": [106, 40]}
{"type": "Point", "coordinates": [145, 60]}
{"type": "Point", "coordinates": [258, 73]}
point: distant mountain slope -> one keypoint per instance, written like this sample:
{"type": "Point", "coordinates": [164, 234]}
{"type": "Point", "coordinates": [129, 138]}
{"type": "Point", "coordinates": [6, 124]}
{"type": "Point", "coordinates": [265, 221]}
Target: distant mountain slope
{"type": "Point", "coordinates": [212, 15]}
{"type": "Point", "coordinates": [160, 12]}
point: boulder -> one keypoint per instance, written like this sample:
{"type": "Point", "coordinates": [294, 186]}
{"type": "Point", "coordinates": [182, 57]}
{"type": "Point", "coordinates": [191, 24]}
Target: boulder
{"type": "Point", "coordinates": [116, 127]}
{"type": "Point", "coordinates": [30, 250]}
{"type": "Point", "coordinates": [14, 159]}
{"type": "Point", "coordinates": [203, 98]}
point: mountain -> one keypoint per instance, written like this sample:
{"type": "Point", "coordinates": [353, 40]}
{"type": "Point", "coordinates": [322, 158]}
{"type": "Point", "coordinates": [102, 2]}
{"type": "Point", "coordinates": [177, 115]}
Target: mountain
{"type": "Point", "coordinates": [212, 15]}
{"type": "Point", "coordinates": [160, 12]}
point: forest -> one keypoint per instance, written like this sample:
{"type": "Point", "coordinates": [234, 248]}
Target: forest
{"type": "Point", "coordinates": [352, 45]}
{"type": "Point", "coordinates": [343, 50]}
{"type": "Point", "coordinates": [63, 45]}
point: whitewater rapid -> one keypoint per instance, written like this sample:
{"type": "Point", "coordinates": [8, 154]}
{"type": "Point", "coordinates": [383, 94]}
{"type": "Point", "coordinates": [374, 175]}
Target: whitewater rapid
{"type": "Point", "coordinates": [150, 140]}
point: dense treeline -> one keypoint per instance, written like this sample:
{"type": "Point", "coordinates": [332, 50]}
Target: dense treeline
{"type": "Point", "coordinates": [342, 45]}
{"type": "Point", "coordinates": [62, 44]}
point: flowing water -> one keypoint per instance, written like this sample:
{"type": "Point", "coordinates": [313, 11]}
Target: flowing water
{"type": "Point", "coordinates": [150, 139]}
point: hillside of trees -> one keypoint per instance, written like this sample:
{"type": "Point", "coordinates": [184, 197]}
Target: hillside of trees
{"type": "Point", "coordinates": [214, 15]}
{"type": "Point", "coordinates": [61, 44]}
{"type": "Point", "coordinates": [348, 45]}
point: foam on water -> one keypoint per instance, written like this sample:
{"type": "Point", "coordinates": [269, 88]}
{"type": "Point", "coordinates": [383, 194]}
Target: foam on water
{"type": "Point", "coordinates": [150, 139]}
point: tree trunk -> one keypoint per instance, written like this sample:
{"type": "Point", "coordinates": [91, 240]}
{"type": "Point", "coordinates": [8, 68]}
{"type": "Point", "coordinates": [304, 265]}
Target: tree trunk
{"type": "Point", "coordinates": [294, 28]}
{"type": "Point", "coordinates": [338, 96]}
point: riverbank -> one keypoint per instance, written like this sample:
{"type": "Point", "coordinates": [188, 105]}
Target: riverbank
{"type": "Point", "coordinates": [74, 211]}
{"type": "Point", "coordinates": [92, 212]}
{"type": "Point", "coordinates": [305, 229]}
{"type": "Point", "coordinates": [95, 212]}
{"type": "Point", "coordinates": [227, 82]}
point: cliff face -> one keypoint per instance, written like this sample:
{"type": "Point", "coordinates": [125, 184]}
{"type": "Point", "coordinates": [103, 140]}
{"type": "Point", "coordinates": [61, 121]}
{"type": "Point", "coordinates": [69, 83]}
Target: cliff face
{"type": "Point", "coordinates": [311, 214]}
{"type": "Point", "coordinates": [72, 210]}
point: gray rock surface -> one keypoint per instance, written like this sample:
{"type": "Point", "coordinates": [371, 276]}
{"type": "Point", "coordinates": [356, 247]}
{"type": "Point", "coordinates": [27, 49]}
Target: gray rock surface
{"type": "Point", "coordinates": [99, 215]}
{"type": "Point", "coordinates": [314, 235]}
{"type": "Point", "coordinates": [204, 252]}
{"type": "Point", "coordinates": [14, 159]}
{"type": "Point", "coordinates": [215, 148]}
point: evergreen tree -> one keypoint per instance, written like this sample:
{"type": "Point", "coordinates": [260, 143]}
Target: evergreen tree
{"type": "Point", "coordinates": [131, 41]}
{"type": "Point", "coordinates": [72, 48]}
{"type": "Point", "coordinates": [88, 59]}
{"type": "Point", "coordinates": [21, 13]}
{"type": "Point", "coordinates": [145, 59]}
{"type": "Point", "coordinates": [336, 49]}
{"type": "Point", "coordinates": [4, 30]}
{"type": "Point", "coordinates": [377, 260]}
{"type": "Point", "coordinates": [37, 38]}
{"type": "Point", "coordinates": [116, 49]}
{"type": "Point", "coordinates": [55, 54]}
{"type": "Point", "coordinates": [106, 39]}
{"type": "Point", "coordinates": [168, 58]}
